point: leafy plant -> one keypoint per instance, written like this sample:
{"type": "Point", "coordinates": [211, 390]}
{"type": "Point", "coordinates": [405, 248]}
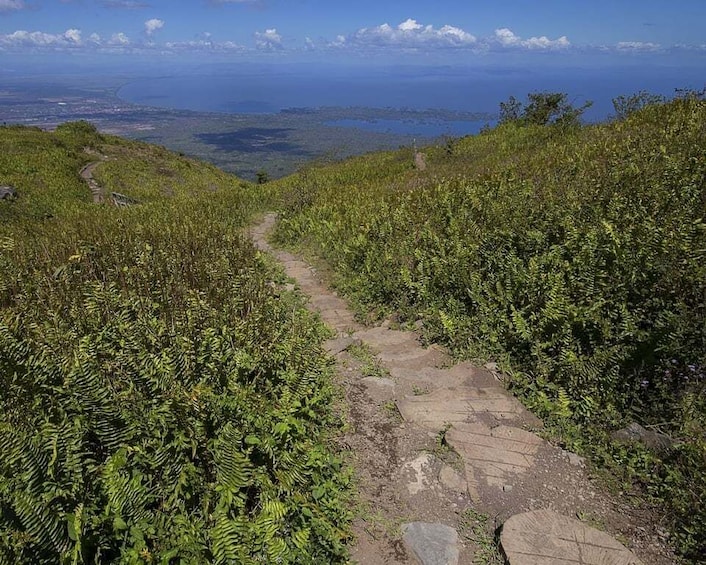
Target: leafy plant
{"type": "Point", "coordinates": [576, 254]}
{"type": "Point", "coordinates": [160, 401]}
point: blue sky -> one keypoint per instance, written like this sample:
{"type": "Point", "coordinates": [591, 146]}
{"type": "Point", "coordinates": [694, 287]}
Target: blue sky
{"type": "Point", "coordinates": [453, 31]}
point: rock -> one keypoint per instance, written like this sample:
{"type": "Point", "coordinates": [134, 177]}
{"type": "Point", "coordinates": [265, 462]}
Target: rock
{"type": "Point", "coordinates": [636, 433]}
{"type": "Point", "coordinates": [8, 192]}
{"type": "Point", "coordinates": [545, 537]}
{"type": "Point", "coordinates": [575, 460]}
{"type": "Point", "coordinates": [418, 474]}
{"type": "Point", "coordinates": [432, 544]}
{"type": "Point", "coordinates": [379, 381]}
{"type": "Point", "coordinates": [336, 346]}
{"type": "Point", "coordinates": [453, 480]}
{"type": "Point", "coordinates": [493, 457]}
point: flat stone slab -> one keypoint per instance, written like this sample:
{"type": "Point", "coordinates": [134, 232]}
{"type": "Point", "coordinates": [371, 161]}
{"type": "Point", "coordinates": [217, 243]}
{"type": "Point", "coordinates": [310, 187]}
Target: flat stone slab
{"type": "Point", "coordinates": [493, 457]}
{"type": "Point", "coordinates": [384, 337]}
{"type": "Point", "coordinates": [339, 344]}
{"type": "Point", "coordinates": [431, 544]}
{"type": "Point", "coordinates": [544, 537]}
{"type": "Point", "coordinates": [379, 381]}
{"type": "Point", "coordinates": [463, 404]}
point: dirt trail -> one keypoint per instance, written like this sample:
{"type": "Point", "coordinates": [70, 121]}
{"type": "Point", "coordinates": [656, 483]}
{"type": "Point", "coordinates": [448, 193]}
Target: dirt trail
{"type": "Point", "coordinates": [433, 442]}
{"type": "Point", "coordinates": [87, 175]}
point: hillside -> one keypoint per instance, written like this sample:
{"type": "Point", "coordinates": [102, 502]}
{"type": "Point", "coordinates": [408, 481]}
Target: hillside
{"type": "Point", "coordinates": [168, 397]}
{"type": "Point", "coordinates": [574, 258]}
{"type": "Point", "coordinates": [164, 397]}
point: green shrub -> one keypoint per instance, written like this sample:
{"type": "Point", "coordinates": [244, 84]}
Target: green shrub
{"type": "Point", "coordinates": [577, 255]}
{"type": "Point", "coordinates": [161, 400]}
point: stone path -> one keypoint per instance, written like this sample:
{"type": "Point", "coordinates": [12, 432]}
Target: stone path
{"type": "Point", "coordinates": [87, 175]}
{"type": "Point", "coordinates": [416, 489]}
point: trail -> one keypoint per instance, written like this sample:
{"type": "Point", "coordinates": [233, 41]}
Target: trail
{"type": "Point", "coordinates": [87, 175]}
{"type": "Point", "coordinates": [434, 442]}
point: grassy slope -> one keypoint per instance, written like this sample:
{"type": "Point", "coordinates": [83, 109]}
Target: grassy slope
{"type": "Point", "coordinates": [576, 257]}
{"type": "Point", "coordinates": [162, 400]}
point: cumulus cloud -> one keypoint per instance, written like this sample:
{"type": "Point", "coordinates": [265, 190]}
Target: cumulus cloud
{"type": "Point", "coordinates": [11, 5]}
{"type": "Point", "coordinates": [71, 38]}
{"type": "Point", "coordinates": [409, 34]}
{"type": "Point", "coordinates": [119, 39]}
{"type": "Point", "coordinates": [269, 40]}
{"type": "Point", "coordinates": [73, 35]}
{"type": "Point", "coordinates": [507, 38]}
{"type": "Point", "coordinates": [151, 26]}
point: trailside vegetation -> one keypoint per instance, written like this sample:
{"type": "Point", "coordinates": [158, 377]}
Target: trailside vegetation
{"type": "Point", "coordinates": [575, 256]}
{"type": "Point", "coordinates": [164, 398]}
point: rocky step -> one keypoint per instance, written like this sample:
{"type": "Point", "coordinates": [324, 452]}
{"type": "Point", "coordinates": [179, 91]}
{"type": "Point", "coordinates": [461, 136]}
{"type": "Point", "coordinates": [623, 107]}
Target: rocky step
{"type": "Point", "coordinates": [546, 538]}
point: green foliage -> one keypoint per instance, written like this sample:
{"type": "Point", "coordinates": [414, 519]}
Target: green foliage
{"type": "Point", "coordinates": [576, 255]}
{"type": "Point", "coordinates": [476, 528]}
{"type": "Point", "coordinates": [541, 109]}
{"type": "Point", "coordinates": [627, 105]}
{"type": "Point", "coordinates": [262, 177]}
{"type": "Point", "coordinates": [161, 401]}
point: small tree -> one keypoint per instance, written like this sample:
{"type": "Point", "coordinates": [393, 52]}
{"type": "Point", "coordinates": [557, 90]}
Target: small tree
{"type": "Point", "coordinates": [626, 105]}
{"type": "Point", "coordinates": [262, 176]}
{"type": "Point", "coordinates": [690, 93]}
{"type": "Point", "coordinates": [542, 108]}
{"type": "Point", "coordinates": [511, 110]}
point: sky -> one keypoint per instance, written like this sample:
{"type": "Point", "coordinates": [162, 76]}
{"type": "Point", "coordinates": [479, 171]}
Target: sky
{"type": "Point", "coordinates": [363, 31]}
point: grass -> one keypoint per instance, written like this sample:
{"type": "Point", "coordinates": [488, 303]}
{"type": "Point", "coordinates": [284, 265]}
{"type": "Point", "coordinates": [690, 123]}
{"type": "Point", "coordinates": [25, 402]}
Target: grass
{"type": "Point", "coordinates": [370, 364]}
{"type": "Point", "coordinates": [476, 528]}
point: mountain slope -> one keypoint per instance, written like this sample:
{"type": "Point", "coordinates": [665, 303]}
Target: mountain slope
{"type": "Point", "coordinates": [164, 397]}
{"type": "Point", "coordinates": [574, 257]}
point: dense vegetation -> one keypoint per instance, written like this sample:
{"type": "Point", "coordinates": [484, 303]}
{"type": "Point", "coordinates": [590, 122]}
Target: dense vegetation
{"type": "Point", "coordinates": [575, 256]}
{"type": "Point", "coordinates": [164, 399]}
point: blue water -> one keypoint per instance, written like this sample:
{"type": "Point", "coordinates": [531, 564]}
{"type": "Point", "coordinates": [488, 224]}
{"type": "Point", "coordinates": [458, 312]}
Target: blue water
{"type": "Point", "coordinates": [271, 89]}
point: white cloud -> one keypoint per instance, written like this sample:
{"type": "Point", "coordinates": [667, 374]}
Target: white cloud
{"type": "Point", "coordinates": [71, 38]}
{"type": "Point", "coordinates": [506, 38]}
{"type": "Point", "coordinates": [409, 25]}
{"type": "Point", "coordinates": [309, 44]}
{"type": "Point", "coordinates": [73, 35]}
{"type": "Point", "coordinates": [153, 25]}
{"type": "Point", "coordinates": [119, 39]}
{"type": "Point", "coordinates": [637, 46]}
{"type": "Point", "coordinates": [10, 5]}
{"type": "Point", "coordinates": [204, 45]}
{"type": "Point", "coordinates": [269, 40]}
{"type": "Point", "coordinates": [410, 34]}
{"type": "Point", "coordinates": [125, 4]}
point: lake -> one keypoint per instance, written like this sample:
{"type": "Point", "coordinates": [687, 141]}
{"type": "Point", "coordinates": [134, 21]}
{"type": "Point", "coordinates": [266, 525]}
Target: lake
{"type": "Point", "coordinates": [269, 89]}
